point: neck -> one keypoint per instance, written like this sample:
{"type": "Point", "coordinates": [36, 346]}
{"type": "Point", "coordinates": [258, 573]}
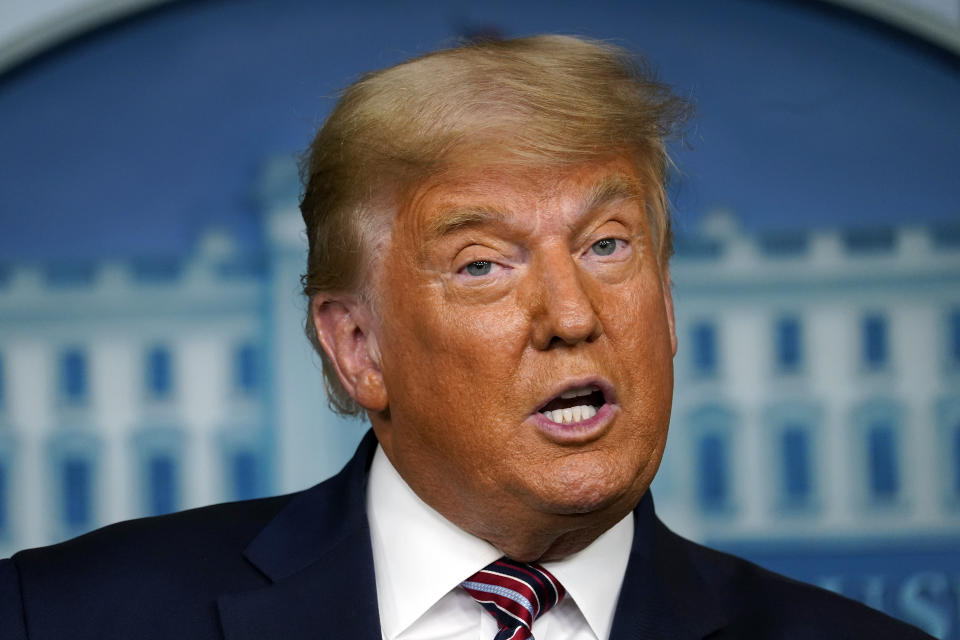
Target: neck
{"type": "Point", "coordinates": [539, 537]}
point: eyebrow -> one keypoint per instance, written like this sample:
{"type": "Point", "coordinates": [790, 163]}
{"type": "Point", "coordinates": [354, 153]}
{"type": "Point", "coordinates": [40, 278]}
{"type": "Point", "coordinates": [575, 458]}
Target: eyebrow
{"type": "Point", "coordinates": [457, 218]}
{"type": "Point", "coordinates": [610, 189]}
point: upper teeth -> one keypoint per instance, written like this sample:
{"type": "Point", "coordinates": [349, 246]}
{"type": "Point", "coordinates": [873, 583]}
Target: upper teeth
{"type": "Point", "coordinates": [572, 414]}
{"type": "Point", "coordinates": [576, 393]}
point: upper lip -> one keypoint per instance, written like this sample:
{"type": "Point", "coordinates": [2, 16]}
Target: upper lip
{"type": "Point", "coordinates": [609, 396]}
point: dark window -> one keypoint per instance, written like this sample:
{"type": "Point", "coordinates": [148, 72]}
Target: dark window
{"type": "Point", "coordinates": [156, 271]}
{"type": "Point", "coordinates": [73, 376]}
{"type": "Point", "coordinates": [251, 266]}
{"type": "Point", "coordinates": [797, 477]}
{"type": "Point", "coordinates": [945, 235]}
{"type": "Point", "coordinates": [704, 349]}
{"type": "Point", "coordinates": [884, 477]}
{"type": "Point", "coordinates": [76, 476]}
{"type": "Point", "coordinates": [70, 275]}
{"type": "Point", "coordinates": [870, 240]}
{"type": "Point", "coordinates": [955, 337]}
{"type": "Point", "coordinates": [4, 499]}
{"type": "Point", "coordinates": [784, 244]}
{"type": "Point", "coordinates": [696, 248]}
{"type": "Point", "coordinates": [788, 344]}
{"type": "Point", "coordinates": [714, 483]}
{"type": "Point", "coordinates": [163, 493]}
{"type": "Point", "coordinates": [245, 369]}
{"type": "Point", "coordinates": [956, 460]}
{"type": "Point", "coordinates": [159, 373]}
{"type": "Point", "coordinates": [244, 475]}
{"type": "Point", "coordinates": [875, 347]}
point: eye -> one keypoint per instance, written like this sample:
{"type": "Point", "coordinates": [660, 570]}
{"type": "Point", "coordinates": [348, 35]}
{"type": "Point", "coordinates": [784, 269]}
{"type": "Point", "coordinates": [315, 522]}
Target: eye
{"type": "Point", "coordinates": [479, 268]}
{"type": "Point", "coordinates": [604, 247]}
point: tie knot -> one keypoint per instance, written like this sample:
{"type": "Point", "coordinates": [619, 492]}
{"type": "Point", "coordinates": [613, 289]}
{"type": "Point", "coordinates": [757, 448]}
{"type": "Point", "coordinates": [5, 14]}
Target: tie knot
{"type": "Point", "coordinates": [515, 593]}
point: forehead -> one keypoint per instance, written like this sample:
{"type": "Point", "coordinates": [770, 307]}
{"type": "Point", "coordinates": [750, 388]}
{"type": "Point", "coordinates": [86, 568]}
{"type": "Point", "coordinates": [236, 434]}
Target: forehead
{"type": "Point", "coordinates": [470, 196]}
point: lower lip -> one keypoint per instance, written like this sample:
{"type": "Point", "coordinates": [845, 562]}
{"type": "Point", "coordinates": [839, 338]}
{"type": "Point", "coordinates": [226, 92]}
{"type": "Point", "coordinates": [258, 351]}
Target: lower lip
{"type": "Point", "coordinates": [576, 432]}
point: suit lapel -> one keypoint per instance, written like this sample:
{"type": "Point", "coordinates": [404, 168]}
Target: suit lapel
{"type": "Point", "coordinates": [663, 595]}
{"type": "Point", "coordinates": [317, 555]}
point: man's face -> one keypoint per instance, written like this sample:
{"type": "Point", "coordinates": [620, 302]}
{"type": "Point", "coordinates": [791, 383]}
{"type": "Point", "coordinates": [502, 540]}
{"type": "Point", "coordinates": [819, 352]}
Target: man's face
{"type": "Point", "coordinates": [505, 297]}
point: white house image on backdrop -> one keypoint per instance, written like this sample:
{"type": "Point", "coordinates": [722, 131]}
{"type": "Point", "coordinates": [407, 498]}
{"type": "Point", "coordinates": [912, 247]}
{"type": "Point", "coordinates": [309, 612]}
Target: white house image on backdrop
{"type": "Point", "coordinates": [817, 391]}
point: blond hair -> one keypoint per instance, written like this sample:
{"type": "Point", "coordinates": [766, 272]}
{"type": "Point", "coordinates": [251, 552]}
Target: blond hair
{"type": "Point", "coordinates": [541, 100]}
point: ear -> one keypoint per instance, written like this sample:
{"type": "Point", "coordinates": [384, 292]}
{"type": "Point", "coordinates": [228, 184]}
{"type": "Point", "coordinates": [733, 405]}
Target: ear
{"type": "Point", "coordinates": [346, 330]}
{"type": "Point", "coordinates": [667, 285]}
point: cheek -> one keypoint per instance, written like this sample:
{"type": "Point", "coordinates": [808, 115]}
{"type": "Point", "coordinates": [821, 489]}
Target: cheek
{"type": "Point", "coordinates": [636, 316]}
{"type": "Point", "coordinates": [448, 357]}
{"type": "Point", "coordinates": [642, 350]}
{"type": "Point", "coordinates": [477, 336]}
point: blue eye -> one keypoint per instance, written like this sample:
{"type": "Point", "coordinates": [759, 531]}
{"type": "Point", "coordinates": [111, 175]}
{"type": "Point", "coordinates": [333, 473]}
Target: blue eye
{"type": "Point", "coordinates": [604, 247]}
{"type": "Point", "coordinates": [479, 268]}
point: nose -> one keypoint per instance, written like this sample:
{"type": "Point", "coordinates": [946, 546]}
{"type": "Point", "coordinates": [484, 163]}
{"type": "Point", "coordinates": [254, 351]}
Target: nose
{"type": "Point", "coordinates": [562, 311]}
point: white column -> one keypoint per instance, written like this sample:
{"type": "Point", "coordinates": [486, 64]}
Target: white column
{"type": "Point", "coordinates": [201, 375]}
{"type": "Point", "coordinates": [114, 381]}
{"type": "Point", "coordinates": [31, 394]}
{"type": "Point", "coordinates": [832, 343]}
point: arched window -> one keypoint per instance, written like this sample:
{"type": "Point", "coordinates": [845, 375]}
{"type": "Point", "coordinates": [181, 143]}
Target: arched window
{"type": "Point", "coordinates": [244, 474]}
{"type": "Point", "coordinates": [791, 449]}
{"type": "Point", "coordinates": [246, 369]}
{"type": "Point", "coordinates": [704, 353]}
{"type": "Point", "coordinates": [163, 487]}
{"type": "Point", "coordinates": [875, 348]}
{"type": "Point", "coordinates": [953, 339]}
{"type": "Point", "coordinates": [7, 451]}
{"type": "Point", "coordinates": [712, 431]}
{"type": "Point", "coordinates": [787, 344]}
{"type": "Point", "coordinates": [948, 419]}
{"type": "Point", "coordinates": [955, 455]}
{"type": "Point", "coordinates": [797, 478]}
{"type": "Point", "coordinates": [76, 485]}
{"type": "Point", "coordinates": [160, 451]}
{"type": "Point", "coordinates": [878, 427]}
{"type": "Point", "coordinates": [883, 461]}
{"type": "Point", "coordinates": [713, 462]}
{"type": "Point", "coordinates": [74, 385]}
{"type": "Point", "coordinates": [3, 385]}
{"type": "Point", "coordinates": [158, 373]}
{"type": "Point", "coordinates": [74, 457]}
{"type": "Point", "coordinates": [245, 455]}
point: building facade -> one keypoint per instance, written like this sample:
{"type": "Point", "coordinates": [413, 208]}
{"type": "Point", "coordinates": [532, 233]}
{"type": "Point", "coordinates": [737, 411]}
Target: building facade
{"type": "Point", "coordinates": [817, 397]}
{"type": "Point", "coordinates": [817, 385]}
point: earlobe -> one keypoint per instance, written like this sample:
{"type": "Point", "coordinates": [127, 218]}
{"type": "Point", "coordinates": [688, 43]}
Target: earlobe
{"type": "Point", "coordinates": [346, 331]}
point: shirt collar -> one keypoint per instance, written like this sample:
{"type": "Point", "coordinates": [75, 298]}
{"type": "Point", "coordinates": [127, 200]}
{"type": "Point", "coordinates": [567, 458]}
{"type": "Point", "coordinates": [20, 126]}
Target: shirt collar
{"type": "Point", "coordinates": [592, 577]}
{"type": "Point", "coordinates": [419, 556]}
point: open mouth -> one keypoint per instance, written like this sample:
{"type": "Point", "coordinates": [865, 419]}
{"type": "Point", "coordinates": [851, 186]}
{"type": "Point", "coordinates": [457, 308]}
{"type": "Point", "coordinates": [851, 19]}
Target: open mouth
{"type": "Point", "coordinates": [574, 405]}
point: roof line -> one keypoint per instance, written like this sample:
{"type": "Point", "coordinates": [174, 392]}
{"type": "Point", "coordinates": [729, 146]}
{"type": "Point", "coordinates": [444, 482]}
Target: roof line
{"type": "Point", "coordinates": [923, 24]}
{"type": "Point", "coordinates": [60, 27]}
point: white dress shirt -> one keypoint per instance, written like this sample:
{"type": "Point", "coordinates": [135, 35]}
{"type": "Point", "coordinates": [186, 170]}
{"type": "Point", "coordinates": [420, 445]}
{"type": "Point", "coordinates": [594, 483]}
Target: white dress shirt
{"type": "Point", "coordinates": [420, 558]}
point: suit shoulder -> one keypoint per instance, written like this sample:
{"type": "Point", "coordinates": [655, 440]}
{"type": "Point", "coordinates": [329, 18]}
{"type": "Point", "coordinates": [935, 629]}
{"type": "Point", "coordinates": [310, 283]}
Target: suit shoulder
{"type": "Point", "coordinates": [766, 604]}
{"type": "Point", "coordinates": [160, 568]}
{"type": "Point", "coordinates": [206, 532]}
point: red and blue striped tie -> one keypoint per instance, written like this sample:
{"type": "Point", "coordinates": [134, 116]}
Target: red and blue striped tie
{"type": "Point", "coordinates": [515, 593]}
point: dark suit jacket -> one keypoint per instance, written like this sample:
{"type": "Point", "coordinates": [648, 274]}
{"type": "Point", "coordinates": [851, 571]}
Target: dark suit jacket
{"type": "Point", "coordinates": [300, 566]}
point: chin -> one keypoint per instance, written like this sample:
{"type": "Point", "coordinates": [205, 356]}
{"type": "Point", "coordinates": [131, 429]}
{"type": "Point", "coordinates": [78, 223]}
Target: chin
{"type": "Point", "coordinates": [590, 492]}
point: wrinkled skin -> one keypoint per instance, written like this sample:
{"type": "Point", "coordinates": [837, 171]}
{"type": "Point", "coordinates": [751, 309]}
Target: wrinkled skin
{"type": "Point", "coordinates": [472, 331]}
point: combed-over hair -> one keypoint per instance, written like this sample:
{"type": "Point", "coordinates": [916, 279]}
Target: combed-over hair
{"type": "Point", "coordinates": [537, 101]}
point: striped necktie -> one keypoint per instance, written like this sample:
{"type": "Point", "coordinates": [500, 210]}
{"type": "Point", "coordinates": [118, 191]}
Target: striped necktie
{"type": "Point", "coordinates": [515, 594]}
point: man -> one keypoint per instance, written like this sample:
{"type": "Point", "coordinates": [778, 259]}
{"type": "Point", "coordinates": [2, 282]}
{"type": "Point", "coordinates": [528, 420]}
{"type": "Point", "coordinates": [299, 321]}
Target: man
{"type": "Point", "coordinates": [489, 284]}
